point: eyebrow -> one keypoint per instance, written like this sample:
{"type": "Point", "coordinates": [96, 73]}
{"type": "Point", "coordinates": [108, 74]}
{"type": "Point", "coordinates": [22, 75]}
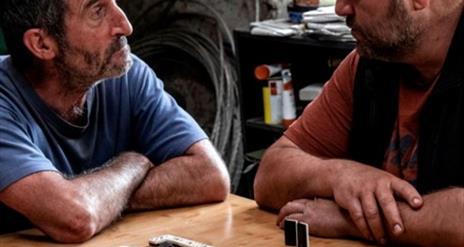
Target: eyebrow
{"type": "Point", "coordinates": [89, 3]}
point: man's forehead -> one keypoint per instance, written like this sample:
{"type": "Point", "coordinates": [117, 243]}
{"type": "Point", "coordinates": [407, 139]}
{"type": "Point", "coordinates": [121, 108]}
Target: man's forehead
{"type": "Point", "coordinates": [88, 3]}
{"type": "Point", "coordinates": [80, 5]}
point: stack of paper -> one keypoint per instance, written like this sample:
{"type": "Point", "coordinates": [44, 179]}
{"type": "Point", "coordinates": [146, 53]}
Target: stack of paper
{"type": "Point", "coordinates": [276, 27]}
{"type": "Point", "coordinates": [324, 24]}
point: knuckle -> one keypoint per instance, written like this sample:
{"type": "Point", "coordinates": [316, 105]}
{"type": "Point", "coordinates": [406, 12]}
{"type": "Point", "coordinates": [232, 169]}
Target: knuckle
{"type": "Point", "coordinates": [371, 214]}
{"type": "Point", "coordinates": [384, 183]}
{"type": "Point", "coordinates": [404, 186]}
{"type": "Point", "coordinates": [357, 216]}
{"type": "Point", "coordinates": [386, 199]}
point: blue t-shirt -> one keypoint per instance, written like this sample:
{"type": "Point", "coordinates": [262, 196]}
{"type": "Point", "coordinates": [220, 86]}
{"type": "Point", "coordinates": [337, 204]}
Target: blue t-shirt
{"type": "Point", "coordinates": [129, 113]}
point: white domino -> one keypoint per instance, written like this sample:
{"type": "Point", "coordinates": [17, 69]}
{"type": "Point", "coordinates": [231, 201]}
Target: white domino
{"type": "Point", "coordinates": [180, 241]}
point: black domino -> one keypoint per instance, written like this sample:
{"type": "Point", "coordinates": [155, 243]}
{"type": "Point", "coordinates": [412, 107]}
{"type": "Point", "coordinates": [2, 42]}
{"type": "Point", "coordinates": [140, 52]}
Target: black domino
{"type": "Point", "coordinates": [290, 227]}
{"type": "Point", "coordinates": [303, 235]}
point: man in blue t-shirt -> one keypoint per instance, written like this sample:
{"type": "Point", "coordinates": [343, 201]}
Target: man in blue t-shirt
{"type": "Point", "coordinates": [86, 129]}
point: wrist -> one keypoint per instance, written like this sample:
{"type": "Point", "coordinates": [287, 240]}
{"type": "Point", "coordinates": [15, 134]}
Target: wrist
{"type": "Point", "coordinates": [332, 174]}
{"type": "Point", "coordinates": [350, 230]}
{"type": "Point", "coordinates": [136, 159]}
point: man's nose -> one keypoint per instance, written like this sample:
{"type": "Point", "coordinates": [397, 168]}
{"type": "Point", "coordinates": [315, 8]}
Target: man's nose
{"type": "Point", "coordinates": [122, 26]}
{"type": "Point", "coordinates": [343, 7]}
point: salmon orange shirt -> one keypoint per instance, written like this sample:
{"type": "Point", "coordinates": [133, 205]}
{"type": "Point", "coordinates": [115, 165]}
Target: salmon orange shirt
{"type": "Point", "coordinates": [323, 128]}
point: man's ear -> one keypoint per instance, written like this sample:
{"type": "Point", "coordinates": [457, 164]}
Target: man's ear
{"type": "Point", "coordinates": [39, 43]}
{"type": "Point", "coordinates": [420, 4]}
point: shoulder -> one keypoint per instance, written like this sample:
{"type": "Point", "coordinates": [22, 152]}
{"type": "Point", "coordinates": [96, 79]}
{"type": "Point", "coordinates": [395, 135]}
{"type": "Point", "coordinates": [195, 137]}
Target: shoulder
{"type": "Point", "coordinates": [348, 66]}
{"type": "Point", "coordinates": [139, 67]}
{"type": "Point", "coordinates": [5, 66]}
{"type": "Point", "coordinates": [11, 100]}
{"type": "Point", "coordinates": [138, 63]}
{"type": "Point", "coordinates": [3, 58]}
{"type": "Point", "coordinates": [343, 79]}
{"type": "Point", "coordinates": [141, 74]}
{"type": "Point", "coordinates": [9, 74]}
{"type": "Point", "coordinates": [344, 76]}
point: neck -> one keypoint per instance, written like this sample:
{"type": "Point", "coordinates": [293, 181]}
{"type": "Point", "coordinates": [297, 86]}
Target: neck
{"type": "Point", "coordinates": [60, 93]}
{"type": "Point", "coordinates": [431, 54]}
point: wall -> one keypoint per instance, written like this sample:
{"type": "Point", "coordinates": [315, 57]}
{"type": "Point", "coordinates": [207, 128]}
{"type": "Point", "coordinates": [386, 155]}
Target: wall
{"type": "Point", "coordinates": [236, 13]}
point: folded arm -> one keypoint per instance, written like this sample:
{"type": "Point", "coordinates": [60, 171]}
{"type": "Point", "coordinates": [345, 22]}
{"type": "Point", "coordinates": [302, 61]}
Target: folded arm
{"type": "Point", "coordinates": [437, 223]}
{"type": "Point", "coordinates": [73, 210]}
{"type": "Point", "coordinates": [287, 173]}
{"type": "Point", "coordinates": [199, 176]}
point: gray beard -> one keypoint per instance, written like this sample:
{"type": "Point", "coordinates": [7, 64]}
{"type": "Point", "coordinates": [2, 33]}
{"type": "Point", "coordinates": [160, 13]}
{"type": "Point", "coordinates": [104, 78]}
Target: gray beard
{"type": "Point", "coordinates": [74, 115]}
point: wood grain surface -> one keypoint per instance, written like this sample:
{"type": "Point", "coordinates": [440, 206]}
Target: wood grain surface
{"type": "Point", "coordinates": [235, 222]}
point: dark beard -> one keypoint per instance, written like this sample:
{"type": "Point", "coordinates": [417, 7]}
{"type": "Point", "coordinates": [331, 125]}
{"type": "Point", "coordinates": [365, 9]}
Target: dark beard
{"type": "Point", "coordinates": [399, 44]}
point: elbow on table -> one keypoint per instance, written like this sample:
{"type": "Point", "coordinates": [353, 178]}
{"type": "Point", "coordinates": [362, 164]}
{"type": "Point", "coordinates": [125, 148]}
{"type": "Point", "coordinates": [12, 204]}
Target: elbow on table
{"type": "Point", "coordinates": [80, 226]}
{"type": "Point", "coordinates": [222, 188]}
{"type": "Point", "coordinates": [261, 200]}
{"type": "Point", "coordinates": [268, 192]}
{"type": "Point", "coordinates": [262, 195]}
{"type": "Point", "coordinates": [266, 181]}
{"type": "Point", "coordinates": [460, 230]}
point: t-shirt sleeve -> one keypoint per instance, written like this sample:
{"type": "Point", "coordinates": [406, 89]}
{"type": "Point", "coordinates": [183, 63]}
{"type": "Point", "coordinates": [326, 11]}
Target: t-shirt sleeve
{"type": "Point", "coordinates": [19, 156]}
{"type": "Point", "coordinates": [163, 129]}
{"type": "Point", "coordinates": [323, 128]}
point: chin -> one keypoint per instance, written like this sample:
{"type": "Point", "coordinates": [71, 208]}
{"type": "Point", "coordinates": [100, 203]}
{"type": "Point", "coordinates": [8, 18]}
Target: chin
{"type": "Point", "coordinates": [368, 52]}
{"type": "Point", "coordinates": [120, 68]}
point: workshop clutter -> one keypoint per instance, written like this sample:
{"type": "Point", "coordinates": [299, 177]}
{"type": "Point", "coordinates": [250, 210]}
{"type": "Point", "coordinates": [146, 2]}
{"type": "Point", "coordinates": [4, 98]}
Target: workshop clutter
{"type": "Point", "coordinates": [278, 94]}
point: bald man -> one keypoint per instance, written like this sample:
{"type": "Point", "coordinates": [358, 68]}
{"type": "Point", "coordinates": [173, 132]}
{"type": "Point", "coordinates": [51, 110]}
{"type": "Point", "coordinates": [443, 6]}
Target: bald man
{"type": "Point", "coordinates": [380, 154]}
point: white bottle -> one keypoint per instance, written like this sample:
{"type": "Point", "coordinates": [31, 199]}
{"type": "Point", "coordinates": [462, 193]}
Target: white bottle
{"type": "Point", "coordinates": [288, 99]}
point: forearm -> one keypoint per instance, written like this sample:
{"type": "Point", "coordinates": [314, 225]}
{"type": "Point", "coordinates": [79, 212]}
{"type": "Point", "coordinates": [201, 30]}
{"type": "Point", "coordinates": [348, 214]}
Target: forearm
{"type": "Point", "coordinates": [437, 223]}
{"type": "Point", "coordinates": [287, 173]}
{"type": "Point", "coordinates": [198, 177]}
{"type": "Point", "coordinates": [74, 209]}
{"type": "Point", "coordinates": [107, 190]}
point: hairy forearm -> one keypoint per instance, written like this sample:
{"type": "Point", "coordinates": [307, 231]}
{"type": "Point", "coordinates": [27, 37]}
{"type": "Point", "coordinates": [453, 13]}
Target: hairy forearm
{"type": "Point", "coordinates": [288, 173]}
{"type": "Point", "coordinates": [107, 190]}
{"type": "Point", "coordinates": [437, 223]}
{"type": "Point", "coordinates": [74, 209]}
{"type": "Point", "coordinates": [198, 177]}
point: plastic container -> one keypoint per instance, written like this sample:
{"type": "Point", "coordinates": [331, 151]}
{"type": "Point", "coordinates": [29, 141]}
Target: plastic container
{"type": "Point", "coordinates": [288, 99]}
{"type": "Point", "coordinates": [296, 9]}
{"type": "Point", "coordinates": [265, 71]}
{"type": "Point", "coordinates": [306, 3]}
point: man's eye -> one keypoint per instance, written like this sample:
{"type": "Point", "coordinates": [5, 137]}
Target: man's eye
{"type": "Point", "coordinates": [98, 11]}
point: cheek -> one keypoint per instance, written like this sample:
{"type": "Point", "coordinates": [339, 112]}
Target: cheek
{"type": "Point", "coordinates": [376, 30]}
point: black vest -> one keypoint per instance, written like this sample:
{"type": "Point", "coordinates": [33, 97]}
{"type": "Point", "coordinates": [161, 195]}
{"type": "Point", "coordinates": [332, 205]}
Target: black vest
{"type": "Point", "coordinates": [441, 124]}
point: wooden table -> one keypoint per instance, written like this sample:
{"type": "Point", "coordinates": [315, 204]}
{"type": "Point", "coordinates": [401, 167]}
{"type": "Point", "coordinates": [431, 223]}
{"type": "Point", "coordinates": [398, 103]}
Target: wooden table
{"type": "Point", "coordinates": [235, 222]}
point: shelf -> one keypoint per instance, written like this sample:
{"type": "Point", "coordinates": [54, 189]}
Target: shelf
{"type": "Point", "coordinates": [255, 156]}
{"type": "Point", "coordinates": [296, 40]}
{"type": "Point", "coordinates": [311, 61]}
{"type": "Point", "coordinates": [258, 123]}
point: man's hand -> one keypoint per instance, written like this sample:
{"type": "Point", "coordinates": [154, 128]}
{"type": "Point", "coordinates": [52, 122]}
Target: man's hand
{"type": "Point", "coordinates": [325, 217]}
{"type": "Point", "coordinates": [362, 189]}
